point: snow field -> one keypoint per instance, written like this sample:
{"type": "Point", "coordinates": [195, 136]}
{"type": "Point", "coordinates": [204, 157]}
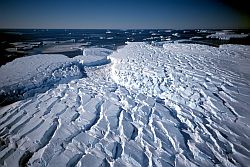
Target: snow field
{"type": "Point", "coordinates": [176, 105]}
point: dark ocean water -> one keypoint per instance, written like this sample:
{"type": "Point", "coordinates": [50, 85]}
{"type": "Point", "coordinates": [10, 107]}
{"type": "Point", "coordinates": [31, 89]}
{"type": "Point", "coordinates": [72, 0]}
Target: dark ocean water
{"type": "Point", "coordinates": [16, 43]}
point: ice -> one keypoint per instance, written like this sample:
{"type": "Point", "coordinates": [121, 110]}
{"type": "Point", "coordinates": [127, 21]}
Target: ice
{"type": "Point", "coordinates": [227, 35]}
{"type": "Point", "coordinates": [63, 48]}
{"type": "Point", "coordinates": [96, 52]}
{"type": "Point", "coordinates": [25, 45]}
{"type": "Point", "coordinates": [149, 105]}
{"type": "Point", "coordinates": [195, 37]}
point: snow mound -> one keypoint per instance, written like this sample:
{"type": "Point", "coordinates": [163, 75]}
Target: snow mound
{"type": "Point", "coordinates": [26, 76]}
{"type": "Point", "coordinates": [176, 105]}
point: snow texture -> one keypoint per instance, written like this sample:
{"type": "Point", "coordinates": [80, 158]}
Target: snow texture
{"type": "Point", "coordinates": [177, 105]}
{"type": "Point", "coordinates": [26, 76]}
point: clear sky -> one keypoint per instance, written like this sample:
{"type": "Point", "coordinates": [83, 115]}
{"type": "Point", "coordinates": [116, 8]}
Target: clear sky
{"type": "Point", "coordinates": [122, 14]}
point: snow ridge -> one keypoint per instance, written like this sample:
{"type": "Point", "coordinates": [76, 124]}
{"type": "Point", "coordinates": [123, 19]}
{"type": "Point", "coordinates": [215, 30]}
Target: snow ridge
{"type": "Point", "coordinates": [176, 105]}
{"type": "Point", "coordinates": [39, 73]}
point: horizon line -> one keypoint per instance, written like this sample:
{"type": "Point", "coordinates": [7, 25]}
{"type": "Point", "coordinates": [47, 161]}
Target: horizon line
{"type": "Point", "coordinates": [125, 28]}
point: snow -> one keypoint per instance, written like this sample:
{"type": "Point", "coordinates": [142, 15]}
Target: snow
{"type": "Point", "coordinates": [175, 105]}
{"type": "Point", "coordinates": [26, 76]}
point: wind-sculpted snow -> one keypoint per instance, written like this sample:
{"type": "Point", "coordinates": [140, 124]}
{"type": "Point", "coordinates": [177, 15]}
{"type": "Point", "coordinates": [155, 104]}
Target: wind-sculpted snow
{"type": "Point", "coordinates": [207, 90]}
{"type": "Point", "coordinates": [176, 105]}
{"type": "Point", "coordinates": [26, 76]}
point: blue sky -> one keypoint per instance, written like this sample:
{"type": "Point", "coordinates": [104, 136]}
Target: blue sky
{"type": "Point", "coordinates": [121, 14]}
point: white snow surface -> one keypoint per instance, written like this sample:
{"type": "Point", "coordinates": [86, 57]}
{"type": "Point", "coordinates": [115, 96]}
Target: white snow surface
{"type": "Point", "coordinates": [25, 76]}
{"type": "Point", "coordinates": [176, 105]}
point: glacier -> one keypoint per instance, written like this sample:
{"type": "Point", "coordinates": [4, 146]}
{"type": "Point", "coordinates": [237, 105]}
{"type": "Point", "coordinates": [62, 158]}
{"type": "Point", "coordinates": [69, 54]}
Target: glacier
{"type": "Point", "coordinates": [142, 105]}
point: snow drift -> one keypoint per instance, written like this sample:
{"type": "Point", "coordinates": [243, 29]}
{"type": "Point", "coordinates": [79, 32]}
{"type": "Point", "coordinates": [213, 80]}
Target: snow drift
{"type": "Point", "coordinates": [176, 105]}
{"type": "Point", "coordinates": [26, 76]}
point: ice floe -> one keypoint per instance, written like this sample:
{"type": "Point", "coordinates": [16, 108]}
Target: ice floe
{"type": "Point", "coordinates": [227, 35]}
{"type": "Point", "coordinates": [63, 48]}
